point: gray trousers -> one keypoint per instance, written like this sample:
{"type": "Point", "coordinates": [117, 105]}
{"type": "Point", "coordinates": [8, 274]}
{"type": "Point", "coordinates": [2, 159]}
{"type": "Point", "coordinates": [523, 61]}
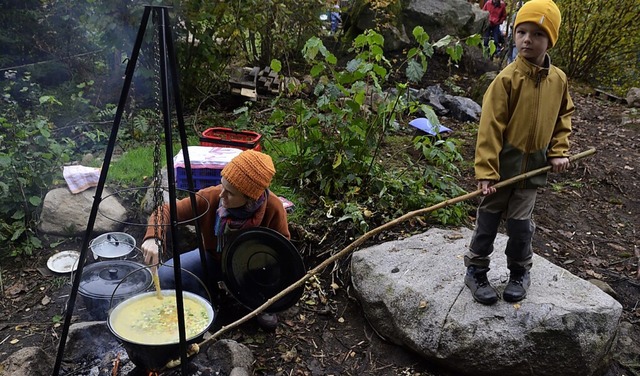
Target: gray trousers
{"type": "Point", "coordinates": [515, 206]}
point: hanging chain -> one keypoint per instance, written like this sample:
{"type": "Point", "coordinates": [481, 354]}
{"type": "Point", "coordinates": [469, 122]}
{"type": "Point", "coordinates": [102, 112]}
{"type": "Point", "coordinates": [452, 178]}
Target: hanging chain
{"type": "Point", "coordinates": [158, 132]}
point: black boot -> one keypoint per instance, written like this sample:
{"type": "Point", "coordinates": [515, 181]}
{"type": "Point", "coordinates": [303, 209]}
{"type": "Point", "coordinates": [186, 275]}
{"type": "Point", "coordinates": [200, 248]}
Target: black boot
{"type": "Point", "coordinates": [517, 286]}
{"type": "Point", "coordinates": [482, 291]}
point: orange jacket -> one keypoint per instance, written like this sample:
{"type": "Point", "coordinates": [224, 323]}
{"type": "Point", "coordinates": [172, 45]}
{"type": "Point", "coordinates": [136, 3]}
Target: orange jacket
{"type": "Point", "coordinates": [273, 215]}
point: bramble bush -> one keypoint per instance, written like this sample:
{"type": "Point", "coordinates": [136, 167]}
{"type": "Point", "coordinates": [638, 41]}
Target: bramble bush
{"type": "Point", "coordinates": [30, 161]}
{"type": "Point", "coordinates": [337, 138]}
{"type": "Point", "coordinates": [600, 42]}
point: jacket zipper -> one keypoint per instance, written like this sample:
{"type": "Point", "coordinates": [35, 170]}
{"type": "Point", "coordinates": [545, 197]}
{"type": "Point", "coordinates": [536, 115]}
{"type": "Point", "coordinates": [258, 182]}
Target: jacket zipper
{"type": "Point", "coordinates": [532, 133]}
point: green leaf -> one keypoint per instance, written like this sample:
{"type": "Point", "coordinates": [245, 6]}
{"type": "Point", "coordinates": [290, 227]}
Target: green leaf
{"type": "Point", "coordinates": [316, 70]}
{"type": "Point", "coordinates": [414, 71]}
{"type": "Point", "coordinates": [353, 65]}
{"type": "Point", "coordinates": [380, 70]}
{"type": "Point", "coordinates": [337, 161]}
{"type": "Point", "coordinates": [277, 116]}
{"type": "Point", "coordinates": [276, 65]}
{"type": "Point", "coordinates": [474, 40]}
{"type": "Point", "coordinates": [35, 200]}
{"type": "Point", "coordinates": [443, 41]}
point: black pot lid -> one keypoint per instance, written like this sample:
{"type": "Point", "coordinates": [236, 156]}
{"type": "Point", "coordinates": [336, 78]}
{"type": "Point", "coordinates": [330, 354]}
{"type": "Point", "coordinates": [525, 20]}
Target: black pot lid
{"type": "Point", "coordinates": [258, 264]}
{"type": "Point", "coordinates": [101, 279]}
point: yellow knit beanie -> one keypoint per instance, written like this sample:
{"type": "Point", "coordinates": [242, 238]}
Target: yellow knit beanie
{"type": "Point", "coordinates": [544, 13]}
{"type": "Point", "coordinates": [250, 172]}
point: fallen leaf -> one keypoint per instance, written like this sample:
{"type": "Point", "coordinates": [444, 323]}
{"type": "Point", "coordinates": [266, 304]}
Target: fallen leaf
{"type": "Point", "coordinates": [341, 319]}
{"type": "Point", "coordinates": [14, 341]}
{"type": "Point", "coordinates": [46, 300]}
{"type": "Point", "coordinates": [593, 274]}
{"type": "Point", "coordinates": [15, 289]}
{"type": "Point", "coordinates": [289, 355]}
{"type": "Point", "coordinates": [423, 304]}
{"type": "Point", "coordinates": [517, 306]}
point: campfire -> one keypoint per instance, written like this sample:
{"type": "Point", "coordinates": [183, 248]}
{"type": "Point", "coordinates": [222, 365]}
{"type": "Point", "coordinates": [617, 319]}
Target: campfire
{"type": "Point", "coordinates": [93, 350]}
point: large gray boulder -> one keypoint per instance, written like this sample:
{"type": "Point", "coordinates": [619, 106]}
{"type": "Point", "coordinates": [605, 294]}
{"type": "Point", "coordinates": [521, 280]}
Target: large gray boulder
{"type": "Point", "coordinates": [438, 18]}
{"type": "Point", "coordinates": [412, 292]}
{"type": "Point", "coordinates": [67, 214]}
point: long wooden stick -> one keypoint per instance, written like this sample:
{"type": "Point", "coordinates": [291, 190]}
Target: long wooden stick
{"type": "Point", "coordinates": [376, 231]}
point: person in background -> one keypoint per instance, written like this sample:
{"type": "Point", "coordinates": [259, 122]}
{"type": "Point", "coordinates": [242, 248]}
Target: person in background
{"type": "Point", "coordinates": [242, 200]}
{"type": "Point", "coordinates": [335, 18]}
{"type": "Point", "coordinates": [497, 14]}
{"type": "Point", "coordinates": [525, 125]}
{"type": "Point", "coordinates": [512, 51]}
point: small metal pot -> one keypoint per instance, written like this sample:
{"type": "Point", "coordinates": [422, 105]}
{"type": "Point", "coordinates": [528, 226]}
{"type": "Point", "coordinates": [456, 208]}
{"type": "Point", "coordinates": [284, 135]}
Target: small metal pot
{"type": "Point", "coordinates": [150, 356]}
{"type": "Point", "coordinates": [112, 245]}
{"type": "Point", "coordinates": [104, 284]}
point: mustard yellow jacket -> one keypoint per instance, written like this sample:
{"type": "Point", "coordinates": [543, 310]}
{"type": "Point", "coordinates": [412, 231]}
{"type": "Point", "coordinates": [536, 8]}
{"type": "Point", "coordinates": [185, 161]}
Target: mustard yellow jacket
{"type": "Point", "coordinates": [526, 118]}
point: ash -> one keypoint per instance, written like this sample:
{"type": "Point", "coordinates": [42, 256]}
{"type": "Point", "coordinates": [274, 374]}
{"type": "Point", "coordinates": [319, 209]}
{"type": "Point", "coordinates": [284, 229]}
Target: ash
{"type": "Point", "coordinates": [92, 350]}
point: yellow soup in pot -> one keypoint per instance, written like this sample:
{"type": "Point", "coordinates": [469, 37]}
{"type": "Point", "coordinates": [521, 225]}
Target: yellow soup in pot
{"type": "Point", "coordinates": [154, 321]}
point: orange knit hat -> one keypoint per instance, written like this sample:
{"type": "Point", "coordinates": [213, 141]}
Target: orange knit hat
{"type": "Point", "coordinates": [250, 172]}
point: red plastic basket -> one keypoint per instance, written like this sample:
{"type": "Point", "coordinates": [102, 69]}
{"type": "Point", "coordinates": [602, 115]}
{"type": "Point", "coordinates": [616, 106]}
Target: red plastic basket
{"type": "Point", "coordinates": [226, 137]}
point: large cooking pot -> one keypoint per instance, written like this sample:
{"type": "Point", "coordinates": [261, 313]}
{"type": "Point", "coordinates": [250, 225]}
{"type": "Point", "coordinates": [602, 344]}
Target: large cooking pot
{"type": "Point", "coordinates": [104, 284]}
{"type": "Point", "coordinates": [136, 322]}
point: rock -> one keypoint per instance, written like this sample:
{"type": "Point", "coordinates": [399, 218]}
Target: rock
{"type": "Point", "coordinates": [604, 286]}
{"type": "Point", "coordinates": [633, 97]}
{"type": "Point", "coordinates": [412, 292]}
{"type": "Point", "coordinates": [461, 108]}
{"type": "Point", "coordinates": [67, 214]}
{"type": "Point", "coordinates": [438, 18]}
{"type": "Point", "coordinates": [480, 86]}
{"type": "Point", "coordinates": [230, 357]}
{"type": "Point", "coordinates": [28, 361]}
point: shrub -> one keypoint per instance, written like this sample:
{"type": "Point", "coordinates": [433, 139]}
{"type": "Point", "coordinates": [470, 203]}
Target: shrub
{"type": "Point", "coordinates": [338, 137]}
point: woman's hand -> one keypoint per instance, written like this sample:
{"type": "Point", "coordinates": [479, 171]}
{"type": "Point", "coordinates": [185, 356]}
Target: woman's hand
{"type": "Point", "coordinates": [486, 186]}
{"type": "Point", "coordinates": [151, 251]}
{"type": "Point", "coordinates": [559, 164]}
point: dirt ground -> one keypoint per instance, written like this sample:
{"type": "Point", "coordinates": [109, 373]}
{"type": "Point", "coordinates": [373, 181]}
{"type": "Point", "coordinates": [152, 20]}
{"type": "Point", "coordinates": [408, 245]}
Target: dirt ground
{"type": "Point", "coordinates": [587, 221]}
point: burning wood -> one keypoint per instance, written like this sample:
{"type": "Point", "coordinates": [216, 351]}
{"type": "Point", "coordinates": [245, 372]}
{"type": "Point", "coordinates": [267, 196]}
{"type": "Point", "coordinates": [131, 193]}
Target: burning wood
{"type": "Point", "coordinates": [116, 366]}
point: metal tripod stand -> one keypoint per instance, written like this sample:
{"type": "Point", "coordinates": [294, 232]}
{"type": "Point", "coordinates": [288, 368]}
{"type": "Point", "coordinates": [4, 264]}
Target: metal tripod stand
{"type": "Point", "coordinates": [169, 89]}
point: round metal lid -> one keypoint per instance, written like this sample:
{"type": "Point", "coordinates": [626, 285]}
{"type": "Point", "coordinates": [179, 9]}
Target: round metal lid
{"type": "Point", "coordinates": [258, 264]}
{"type": "Point", "coordinates": [101, 279]}
{"type": "Point", "coordinates": [112, 245]}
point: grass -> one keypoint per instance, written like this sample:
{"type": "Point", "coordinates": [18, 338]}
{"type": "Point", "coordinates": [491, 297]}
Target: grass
{"type": "Point", "coordinates": [136, 166]}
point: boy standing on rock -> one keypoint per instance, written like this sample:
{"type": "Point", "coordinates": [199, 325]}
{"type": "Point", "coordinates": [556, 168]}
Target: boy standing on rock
{"type": "Point", "coordinates": [525, 125]}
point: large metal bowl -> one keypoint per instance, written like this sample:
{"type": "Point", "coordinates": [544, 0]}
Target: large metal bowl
{"type": "Point", "coordinates": [152, 356]}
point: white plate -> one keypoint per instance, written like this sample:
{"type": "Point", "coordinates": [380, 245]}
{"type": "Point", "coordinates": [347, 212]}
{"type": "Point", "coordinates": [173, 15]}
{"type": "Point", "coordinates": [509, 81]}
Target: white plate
{"type": "Point", "coordinates": [64, 262]}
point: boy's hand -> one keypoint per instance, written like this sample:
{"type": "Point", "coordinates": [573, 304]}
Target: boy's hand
{"type": "Point", "coordinates": [486, 186]}
{"type": "Point", "coordinates": [560, 164]}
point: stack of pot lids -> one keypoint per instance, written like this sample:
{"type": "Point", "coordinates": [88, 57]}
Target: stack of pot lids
{"type": "Point", "coordinates": [258, 264]}
{"type": "Point", "coordinates": [114, 278]}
